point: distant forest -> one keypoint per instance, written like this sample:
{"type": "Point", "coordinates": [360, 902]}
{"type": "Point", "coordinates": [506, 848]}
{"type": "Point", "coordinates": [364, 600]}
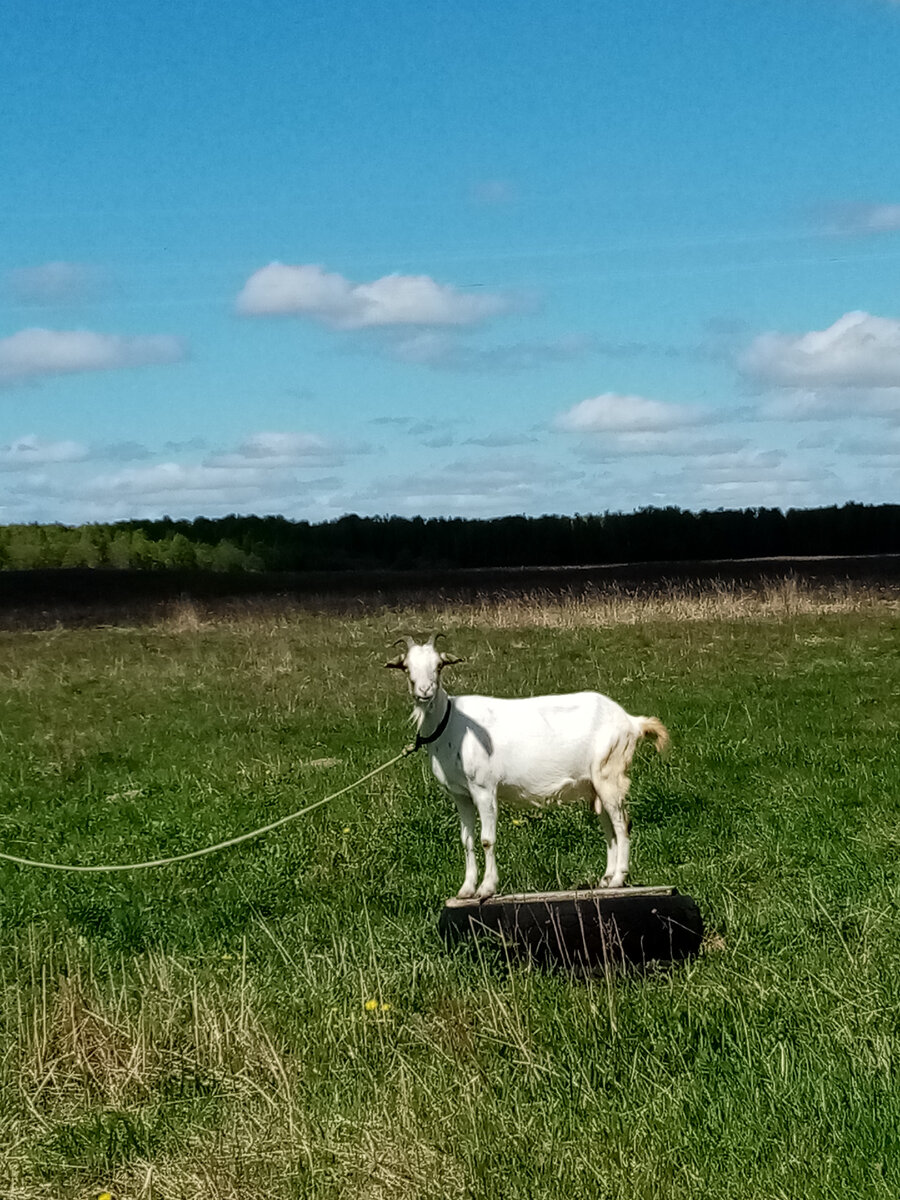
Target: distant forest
{"type": "Point", "coordinates": [246, 543]}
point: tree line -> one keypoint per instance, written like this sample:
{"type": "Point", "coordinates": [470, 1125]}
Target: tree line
{"type": "Point", "coordinates": [273, 543]}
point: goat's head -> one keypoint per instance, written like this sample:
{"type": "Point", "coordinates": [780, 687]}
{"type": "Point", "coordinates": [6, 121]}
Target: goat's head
{"type": "Point", "coordinates": [423, 664]}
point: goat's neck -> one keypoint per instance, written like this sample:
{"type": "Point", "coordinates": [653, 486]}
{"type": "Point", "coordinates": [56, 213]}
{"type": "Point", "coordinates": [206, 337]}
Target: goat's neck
{"type": "Point", "coordinates": [427, 717]}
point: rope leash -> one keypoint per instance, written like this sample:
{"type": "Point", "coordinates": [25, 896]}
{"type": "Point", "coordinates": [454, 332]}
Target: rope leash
{"type": "Point", "coordinates": [243, 837]}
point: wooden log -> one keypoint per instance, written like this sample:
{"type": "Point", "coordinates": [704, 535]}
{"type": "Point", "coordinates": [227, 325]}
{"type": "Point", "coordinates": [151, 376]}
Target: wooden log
{"type": "Point", "coordinates": [583, 930]}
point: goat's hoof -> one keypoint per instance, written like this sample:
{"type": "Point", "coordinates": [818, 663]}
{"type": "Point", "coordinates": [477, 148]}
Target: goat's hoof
{"type": "Point", "coordinates": [605, 881]}
{"type": "Point", "coordinates": [484, 893]}
{"type": "Point", "coordinates": [465, 893]}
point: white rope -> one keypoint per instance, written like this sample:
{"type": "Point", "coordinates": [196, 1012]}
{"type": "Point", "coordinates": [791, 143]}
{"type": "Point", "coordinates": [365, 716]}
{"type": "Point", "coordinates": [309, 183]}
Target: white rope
{"type": "Point", "coordinates": [243, 837]}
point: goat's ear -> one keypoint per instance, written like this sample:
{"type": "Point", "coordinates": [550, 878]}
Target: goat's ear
{"type": "Point", "coordinates": [396, 664]}
{"type": "Point", "coordinates": [450, 660]}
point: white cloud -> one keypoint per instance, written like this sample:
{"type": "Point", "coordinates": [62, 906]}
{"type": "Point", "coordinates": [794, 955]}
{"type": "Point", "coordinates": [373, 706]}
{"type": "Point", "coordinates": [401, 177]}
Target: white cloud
{"type": "Point", "coordinates": [179, 489]}
{"type": "Point", "coordinates": [493, 192]}
{"type": "Point", "coordinates": [428, 348]}
{"type": "Point", "coordinates": [802, 404]}
{"type": "Point", "coordinates": [820, 440]}
{"type": "Point", "coordinates": [267, 472]}
{"type": "Point", "coordinates": [169, 477]}
{"type": "Point", "coordinates": [668, 444]}
{"type": "Point", "coordinates": [308, 290]}
{"type": "Point", "coordinates": [271, 451]}
{"type": "Point", "coordinates": [858, 350]}
{"type": "Point", "coordinates": [748, 466]}
{"type": "Point", "coordinates": [447, 351]}
{"type": "Point", "coordinates": [127, 451]}
{"type": "Point", "coordinates": [500, 441]}
{"type": "Point", "coordinates": [283, 445]}
{"type": "Point", "coordinates": [54, 282]}
{"type": "Point", "coordinates": [615, 413]}
{"type": "Point", "coordinates": [870, 218]}
{"type": "Point", "coordinates": [32, 451]}
{"type": "Point", "coordinates": [474, 486]}
{"type": "Point", "coordinates": [885, 446]}
{"type": "Point", "coordinates": [744, 479]}
{"type": "Point", "coordinates": [34, 352]}
{"type": "Point", "coordinates": [830, 404]}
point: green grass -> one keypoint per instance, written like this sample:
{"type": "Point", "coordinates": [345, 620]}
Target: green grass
{"type": "Point", "coordinates": [202, 1031]}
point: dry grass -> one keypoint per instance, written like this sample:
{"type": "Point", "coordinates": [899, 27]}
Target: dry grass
{"type": "Point", "coordinates": [156, 1045]}
{"type": "Point", "coordinates": [714, 600]}
{"type": "Point", "coordinates": [739, 591]}
{"type": "Point", "coordinates": [717, 601]}
{"type": "Point", "coordinates": [389, 1161]}
{"type": "Point", "coordinates": [184, 616]}
{"type": "Point", "coordinates": [114, 1038]}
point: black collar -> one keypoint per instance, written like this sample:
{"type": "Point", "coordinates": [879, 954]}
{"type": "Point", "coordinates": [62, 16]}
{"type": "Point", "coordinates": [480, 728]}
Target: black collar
{"type": "Point", "coordinates": [442, 725]}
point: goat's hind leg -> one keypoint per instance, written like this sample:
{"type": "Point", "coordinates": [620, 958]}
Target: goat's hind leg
{"type": "Point", "coordinates": [467, 819]}
{"type": "Point", "coordinates": [610, 835]}
{"type": "Point", "coordinates": [611, 784]}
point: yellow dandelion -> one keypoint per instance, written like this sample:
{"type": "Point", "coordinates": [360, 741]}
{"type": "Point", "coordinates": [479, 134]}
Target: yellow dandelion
{"type": "Point", "coordinates": [346, 829]}
{"type": "Point", "coordinates": [385, 1008]}
{"type": "Point", "coordinates": [104, 1196]}
{"type": "Point", "coordinates": [370, 1005]}
{"type": "Point", "coordinates": [518, 821]}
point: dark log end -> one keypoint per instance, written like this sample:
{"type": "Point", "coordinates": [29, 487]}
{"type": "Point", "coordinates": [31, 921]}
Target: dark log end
{"type": "Point", "coordinates": [591, 930]}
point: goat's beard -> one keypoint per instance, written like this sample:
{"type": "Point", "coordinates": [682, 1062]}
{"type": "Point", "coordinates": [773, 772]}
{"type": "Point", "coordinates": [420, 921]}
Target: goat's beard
{"type": "Point", "coordinates": [419, 713]}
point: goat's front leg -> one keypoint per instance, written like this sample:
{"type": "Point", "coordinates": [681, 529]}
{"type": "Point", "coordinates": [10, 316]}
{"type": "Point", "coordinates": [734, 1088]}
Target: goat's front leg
{"type": "Point", "coordinates": [486, 803]}
{"type": "Point", "coordinates": [466, 810]}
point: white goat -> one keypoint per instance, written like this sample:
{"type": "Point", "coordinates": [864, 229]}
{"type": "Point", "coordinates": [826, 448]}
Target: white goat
{"type": "Point", "coordinates": [539, 751]}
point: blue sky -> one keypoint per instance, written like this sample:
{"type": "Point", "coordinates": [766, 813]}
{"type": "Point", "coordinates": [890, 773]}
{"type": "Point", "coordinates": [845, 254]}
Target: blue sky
{"type": "Point", "coordinates": [450, 259]}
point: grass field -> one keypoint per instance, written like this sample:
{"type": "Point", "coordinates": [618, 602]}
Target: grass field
{"type": "Point", "coordinates": [281, 1020]}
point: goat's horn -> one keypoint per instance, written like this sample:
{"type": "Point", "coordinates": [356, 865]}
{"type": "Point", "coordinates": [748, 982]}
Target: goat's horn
{"type": "Point", "coordinates": [409, 642]}
{"type": "Point", "coordinates": [434, 637]}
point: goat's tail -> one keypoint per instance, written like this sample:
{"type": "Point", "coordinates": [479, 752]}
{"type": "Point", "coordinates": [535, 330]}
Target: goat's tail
{"type": "Point", "coordinates": [654, 728]}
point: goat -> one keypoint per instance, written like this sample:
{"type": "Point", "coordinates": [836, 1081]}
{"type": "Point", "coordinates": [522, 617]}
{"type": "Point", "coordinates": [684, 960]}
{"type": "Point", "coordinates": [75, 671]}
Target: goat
{"type": "Point", "coordinates": [531, 752]}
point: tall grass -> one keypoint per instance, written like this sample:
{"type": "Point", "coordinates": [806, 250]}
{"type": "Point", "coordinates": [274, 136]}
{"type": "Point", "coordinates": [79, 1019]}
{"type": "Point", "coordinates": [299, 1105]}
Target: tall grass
{"type": "Point", "coordinates": [554, 607]}
{"type": "Point", "coordinates": [283, 1021]}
